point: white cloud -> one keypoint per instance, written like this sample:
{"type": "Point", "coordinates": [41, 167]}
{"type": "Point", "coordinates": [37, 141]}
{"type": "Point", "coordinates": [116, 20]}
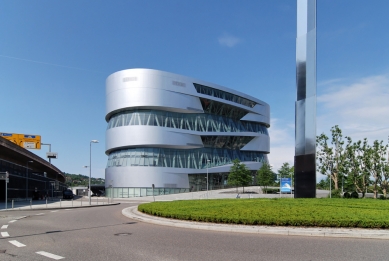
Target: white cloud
{"type": "Point", "coordinates": [281, 143]}
{"type": "Point", "coordinates": [360, 108]}
{"type": "Point", "coordinates": [228, 40]}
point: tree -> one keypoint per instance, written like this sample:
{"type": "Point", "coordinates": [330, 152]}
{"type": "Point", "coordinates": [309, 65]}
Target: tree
{"type": "Point", "coordinates": [286, 171]}
{"type": "Point", "coordinates": [356, 165]}
{"type": "Point", "coordinates": [265, 176]}
{"type": "Point", "coordinates": [374, 158]}
{"type": "Point", "coordinates": [239, 175]}
{"type": "Point", "coordinates": [385, 179]}
{"type": "Point", "coordinates": [323, 184]}
{"type": "Point", "coordinates": [331, 158]}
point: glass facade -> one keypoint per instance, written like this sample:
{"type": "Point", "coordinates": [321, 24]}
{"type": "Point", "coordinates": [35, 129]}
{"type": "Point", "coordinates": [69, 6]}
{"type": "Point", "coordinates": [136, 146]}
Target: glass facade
{"type": "Point", "coordinates": [223, 95]}
{"type": "Point", "coordinates": [222, 109]}
{"type": "Point", "coordinates": [180, 158]}
{"type": "Point", "coordinates": [225, 142]}
{"type": "Point", "coordinates": [197, 182]}
{"type": "Point", "coordinates": [141, 192]}
{"type": "Point", "coordinates": [18, 176]}
{"type": "Point", "coordinates": [188, 121]}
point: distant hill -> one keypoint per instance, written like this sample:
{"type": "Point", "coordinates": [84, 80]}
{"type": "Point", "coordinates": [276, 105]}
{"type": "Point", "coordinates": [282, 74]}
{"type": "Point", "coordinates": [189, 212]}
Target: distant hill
{"type": "Point", "coordinates": [78, 180]}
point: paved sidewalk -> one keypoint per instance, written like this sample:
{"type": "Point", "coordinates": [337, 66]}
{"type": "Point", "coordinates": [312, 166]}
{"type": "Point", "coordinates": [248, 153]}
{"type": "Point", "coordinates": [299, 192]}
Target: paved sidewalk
{"type": "Point", "coordinates": [57, 204]}
{"type": "Point", "coordinates": [133, 213]}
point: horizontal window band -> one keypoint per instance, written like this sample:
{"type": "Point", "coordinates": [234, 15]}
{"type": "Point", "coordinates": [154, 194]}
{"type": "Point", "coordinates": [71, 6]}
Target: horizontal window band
{"type": "Point", "coordinates": [201, 122]}
{"type": "Point", "coordinates": [181, 158]}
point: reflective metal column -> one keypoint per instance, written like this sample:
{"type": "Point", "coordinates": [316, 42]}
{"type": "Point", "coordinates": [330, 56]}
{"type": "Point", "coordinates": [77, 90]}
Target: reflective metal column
{"type": "Point", "coordinates": [305, 147]}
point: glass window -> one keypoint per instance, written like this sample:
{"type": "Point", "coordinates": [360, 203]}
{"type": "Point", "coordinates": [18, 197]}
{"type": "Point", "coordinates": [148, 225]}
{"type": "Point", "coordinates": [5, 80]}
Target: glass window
{"type": "Point", "coordinates": [219, 117]}
{"type": "Point", "coordinates": [191, 158]}
{"type": "Point", "coordinates": [223, 95]}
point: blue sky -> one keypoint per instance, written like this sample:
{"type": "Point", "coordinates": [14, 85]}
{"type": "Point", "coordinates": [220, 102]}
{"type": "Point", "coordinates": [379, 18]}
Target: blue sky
{"type": "Point", "coordinates": [56, 55]}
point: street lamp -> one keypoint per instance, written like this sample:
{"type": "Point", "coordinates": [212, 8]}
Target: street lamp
{"type": "Point", "coordinates": [90, 166]}
{"type": "Point", "coordinates": [30, 161]}
{"type": "Point", "coordinates": [84, 189]}
{"type": "Point", "coordinates": [207, 177]}
{"type": "Point", "coordinates": [48, 144]}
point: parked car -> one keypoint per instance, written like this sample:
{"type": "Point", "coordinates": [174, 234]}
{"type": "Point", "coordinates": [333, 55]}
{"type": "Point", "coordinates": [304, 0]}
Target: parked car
{"type": "Point", "coordinates": [68, 194]}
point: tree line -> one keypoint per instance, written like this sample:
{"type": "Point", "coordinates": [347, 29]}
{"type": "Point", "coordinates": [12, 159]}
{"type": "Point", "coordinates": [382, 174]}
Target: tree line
{"type": "Point", "coordinates": [241, 176]}
{"type": "Point", "coordinates": [354, 166]}
{"type": "Point", "coordinates": [358, 165]}
{"type": "Point", "coordinates": [74, 180]}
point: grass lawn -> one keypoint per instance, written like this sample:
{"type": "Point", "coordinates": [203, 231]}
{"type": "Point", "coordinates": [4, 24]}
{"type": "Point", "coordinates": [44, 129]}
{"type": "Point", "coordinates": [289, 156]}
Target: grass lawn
{"type": "Point", "coordinates": [323, 212]}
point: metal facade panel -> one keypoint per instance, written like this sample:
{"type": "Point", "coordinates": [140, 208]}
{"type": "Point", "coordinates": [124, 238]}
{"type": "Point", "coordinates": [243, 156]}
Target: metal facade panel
{"type": "Point", "coordinates": [145, 89]}
{"type": "Point", "coordinates": [305, 121]}
{"type": "Point", "coordinates": [147, 136]}
{"type": "Point", "coordinates": [261, 143]}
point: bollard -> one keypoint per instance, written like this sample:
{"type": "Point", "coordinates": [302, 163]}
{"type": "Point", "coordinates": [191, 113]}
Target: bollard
{"type": "Point", "coordinates": [72, 202]}
{"type": "Point", "coordinates": [97, 200]}
{"type": "Point", "coordinates": [60, 203]}
{"type": "Point", "coordinates": [81, 201]}
{"type": "Point", "coordinates": [12, 204]}
{"type": "Point", "coordinates": [30, 203]}
{"type": "Point", "coordinates": [46, 202]}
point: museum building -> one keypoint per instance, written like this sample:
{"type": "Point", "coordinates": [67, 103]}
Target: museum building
{"type": "Point", "coordinates": [170, 130]}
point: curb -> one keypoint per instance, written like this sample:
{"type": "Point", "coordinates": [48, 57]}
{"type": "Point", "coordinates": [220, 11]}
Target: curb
{"type": "Point", "coordinates": [133, 213]}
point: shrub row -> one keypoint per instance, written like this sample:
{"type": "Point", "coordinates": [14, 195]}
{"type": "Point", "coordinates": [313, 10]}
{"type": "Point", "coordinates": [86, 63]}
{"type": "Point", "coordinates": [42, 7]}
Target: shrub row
{"type": "Point", "coordinates": [277, 212]}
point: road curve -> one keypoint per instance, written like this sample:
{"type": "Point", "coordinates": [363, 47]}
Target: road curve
{"type": "Point", "coordinates": [103, 233]}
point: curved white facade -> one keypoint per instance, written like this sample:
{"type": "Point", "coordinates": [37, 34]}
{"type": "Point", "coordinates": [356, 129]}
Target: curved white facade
{"type": "Point", "coordinates": [163, 127]}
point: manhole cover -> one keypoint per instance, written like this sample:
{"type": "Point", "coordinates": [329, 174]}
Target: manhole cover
{"type": "Point", "coordinates": [122, 234]}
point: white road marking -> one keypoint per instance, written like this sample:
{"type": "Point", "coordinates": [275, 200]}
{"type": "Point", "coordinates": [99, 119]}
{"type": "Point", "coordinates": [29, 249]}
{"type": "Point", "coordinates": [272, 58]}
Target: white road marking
{"type": "Point", "coordinates": [21, 217]}
{"type": "Point", "coordinates": [68, 209]}
{"type": "Point", "coordinates": [54, 211]}
{"type": "Point", "coordinates": [39, 214]}
{"type": "Point", "coordinates": [4, 226]}
{"type": "Point", "coordinates": [4, 234]}
{"type": "Point", "coordinates": [12, 221]}
{"type": "Point", "coordinates": [46, 254]}
{"type": "Point", "coordinates": [16, 243]}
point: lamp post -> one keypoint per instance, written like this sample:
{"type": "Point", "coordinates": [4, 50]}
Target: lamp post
{"type": "Point", "coordinates": [90, 166]}
{"type": "Point", "coordinates": [30, 161]}
{"type": "Point", "coordinates": [48, 144]}
{"type": "Point", "coordinates": [207, 176]}
{"type": "Point", "coordinates": [84, 189]}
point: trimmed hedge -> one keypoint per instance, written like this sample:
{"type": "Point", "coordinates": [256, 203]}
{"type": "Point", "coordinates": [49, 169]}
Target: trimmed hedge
{"type": "Point", "coordinates": [277, 212]}
{"type": "Point", "coordinates": [271, 191]}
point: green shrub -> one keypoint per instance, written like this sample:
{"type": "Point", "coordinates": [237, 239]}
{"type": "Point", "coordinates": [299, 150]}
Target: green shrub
{"type": "Point", "coordinates": [335, 193]}
{"type": "Point", "coordinates": [323, 212]}
{"type": "Point", "coordinates": [382, 197]}
{"type": "Point", "coordinates": [354, 194]}
{"type": "Point", "coordinates": [270, 191]}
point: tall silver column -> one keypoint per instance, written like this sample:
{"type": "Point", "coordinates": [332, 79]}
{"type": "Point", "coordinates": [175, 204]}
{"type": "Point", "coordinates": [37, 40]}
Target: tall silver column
{"type": "Point", "coordinates": [305, 148]}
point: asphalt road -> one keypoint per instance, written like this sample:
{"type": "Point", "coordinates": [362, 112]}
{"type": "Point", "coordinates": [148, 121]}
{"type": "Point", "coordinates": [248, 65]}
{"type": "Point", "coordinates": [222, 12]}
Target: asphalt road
{"type": "Point", "coordinates": [103, 233]}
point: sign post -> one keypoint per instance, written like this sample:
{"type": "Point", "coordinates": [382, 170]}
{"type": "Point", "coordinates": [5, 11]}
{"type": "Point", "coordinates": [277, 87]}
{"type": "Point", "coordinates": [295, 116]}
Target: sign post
{"type": "Point", "coordinates": [5, 176]}
{"type": "Point", "coordinates": [286, 185]}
